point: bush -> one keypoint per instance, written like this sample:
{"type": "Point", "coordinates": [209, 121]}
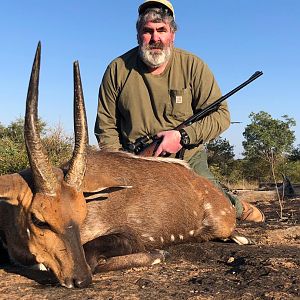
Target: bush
{"type": "Point", "coordinates": [13, 155]}
{"type": "Point", "coordinates": [292, 170]}
{"type": "Point", "coordinates": [58, 145]}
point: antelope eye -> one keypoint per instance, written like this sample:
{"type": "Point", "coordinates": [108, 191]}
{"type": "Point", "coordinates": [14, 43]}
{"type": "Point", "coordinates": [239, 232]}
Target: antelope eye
{"type": "Point", "coordinates": [38, 223]}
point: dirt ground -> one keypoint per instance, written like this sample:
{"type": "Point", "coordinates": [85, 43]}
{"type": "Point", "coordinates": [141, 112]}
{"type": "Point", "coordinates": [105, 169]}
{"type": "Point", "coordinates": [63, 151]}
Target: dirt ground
{"type": "Point", "coordinates": [269, 269]}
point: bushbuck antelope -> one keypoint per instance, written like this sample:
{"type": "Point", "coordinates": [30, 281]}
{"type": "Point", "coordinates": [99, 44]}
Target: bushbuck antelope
{"type": "Point", "coordinates": [102, 210]}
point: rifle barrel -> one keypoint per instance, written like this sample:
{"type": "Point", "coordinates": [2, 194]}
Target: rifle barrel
{"type": "Point", "coordinates": [213, 105]}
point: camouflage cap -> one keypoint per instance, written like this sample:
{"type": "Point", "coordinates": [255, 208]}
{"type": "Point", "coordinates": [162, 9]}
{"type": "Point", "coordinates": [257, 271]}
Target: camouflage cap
{"type": "Point", "coordinates": [157, 3]}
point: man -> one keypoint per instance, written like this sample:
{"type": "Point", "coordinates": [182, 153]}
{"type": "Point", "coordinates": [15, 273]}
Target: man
{"type": "Point", "coordinates": [153, 88]}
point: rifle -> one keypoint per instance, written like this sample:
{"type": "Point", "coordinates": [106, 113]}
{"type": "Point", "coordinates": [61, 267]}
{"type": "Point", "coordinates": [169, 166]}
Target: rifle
{"type": "Point", "coordinates": [142, 146]}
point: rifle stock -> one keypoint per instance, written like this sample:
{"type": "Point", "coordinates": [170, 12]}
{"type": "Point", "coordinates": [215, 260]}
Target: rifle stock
{"type": "Point", "coordinates": [150, 149]}
{"type": "Point", "coordinates": [143, 148]}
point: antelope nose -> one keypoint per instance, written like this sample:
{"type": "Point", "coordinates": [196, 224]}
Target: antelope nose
{"type": "Point", "coordinates": [77, 282]}
{"type": "Point", "coordinates": [83, 282]}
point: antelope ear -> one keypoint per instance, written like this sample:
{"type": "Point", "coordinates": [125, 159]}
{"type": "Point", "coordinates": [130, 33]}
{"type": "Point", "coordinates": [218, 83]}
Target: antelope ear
{"type": "Point", "coordinates": [103, 193]}
{"type": "Point", "coordinates": [99, 186]}
{"type": "Point", "coordinates": [14, 189]}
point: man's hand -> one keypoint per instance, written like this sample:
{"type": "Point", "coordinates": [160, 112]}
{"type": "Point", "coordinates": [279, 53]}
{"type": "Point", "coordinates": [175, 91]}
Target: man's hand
{"type": "Point", "coordinates": [170, 142]}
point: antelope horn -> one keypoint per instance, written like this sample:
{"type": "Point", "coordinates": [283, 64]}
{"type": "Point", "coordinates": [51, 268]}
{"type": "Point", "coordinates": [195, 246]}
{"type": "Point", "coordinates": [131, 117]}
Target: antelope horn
{"type": "Point", "coordinates": [77, 167]}
{"type": "Point", "coordinates": [43, 175]}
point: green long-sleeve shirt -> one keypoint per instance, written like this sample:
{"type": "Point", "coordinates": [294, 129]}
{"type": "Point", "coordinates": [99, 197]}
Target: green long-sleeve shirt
{"type": "Point", "coordinates": [134, 103]}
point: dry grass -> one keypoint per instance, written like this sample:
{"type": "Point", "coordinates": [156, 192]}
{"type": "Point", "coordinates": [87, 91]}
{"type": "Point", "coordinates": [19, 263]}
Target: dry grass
{"type": "Point", "coordinates": [243, 185]}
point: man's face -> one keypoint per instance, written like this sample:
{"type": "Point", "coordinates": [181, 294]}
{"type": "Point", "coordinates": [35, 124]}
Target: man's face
{"type": "Point", "coordinates": [156, 43]}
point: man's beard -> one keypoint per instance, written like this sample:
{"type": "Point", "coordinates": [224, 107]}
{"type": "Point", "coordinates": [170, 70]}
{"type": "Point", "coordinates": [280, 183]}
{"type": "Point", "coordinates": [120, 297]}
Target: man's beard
{"type": "Point", "coordinates": [153, 57]}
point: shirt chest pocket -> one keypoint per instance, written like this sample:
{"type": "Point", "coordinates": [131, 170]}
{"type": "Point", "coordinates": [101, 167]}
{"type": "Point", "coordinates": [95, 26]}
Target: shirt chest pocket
{"type": "Point", "coordinates": [181, 103]}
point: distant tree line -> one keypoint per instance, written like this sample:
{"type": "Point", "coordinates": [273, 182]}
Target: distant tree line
{"type": "Point", "coordinates": [268, 150]}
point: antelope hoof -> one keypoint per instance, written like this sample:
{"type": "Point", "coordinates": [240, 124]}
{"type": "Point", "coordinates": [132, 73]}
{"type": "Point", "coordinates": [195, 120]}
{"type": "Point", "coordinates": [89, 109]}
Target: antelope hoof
{"type": "Point", "coordinates": [241, 239]}
{"type": "Point", "coordinates": [159, 256]}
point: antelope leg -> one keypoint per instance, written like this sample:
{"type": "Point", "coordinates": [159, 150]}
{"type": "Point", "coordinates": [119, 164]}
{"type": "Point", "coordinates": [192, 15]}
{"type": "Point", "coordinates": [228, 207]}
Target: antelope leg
{"type": "Point", "coordinates": [140, 259]}
{"type": "Point", "coordinates": [118, 243]}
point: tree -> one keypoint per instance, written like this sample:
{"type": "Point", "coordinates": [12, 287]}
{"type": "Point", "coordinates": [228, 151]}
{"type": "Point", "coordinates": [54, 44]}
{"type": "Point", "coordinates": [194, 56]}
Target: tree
{"type": "Point", "coordinates": [268, 140]}
{"type": "Point", "coordinates": [15, 130]}
{"type": "Point", "coordinates": [295, 154]}
{"type": "Point", "coordinates": [220, 158]}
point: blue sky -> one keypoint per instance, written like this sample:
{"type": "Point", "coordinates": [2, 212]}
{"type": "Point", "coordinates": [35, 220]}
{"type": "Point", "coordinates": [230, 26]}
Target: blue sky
{"type": "Point", "coordinates": [235, 37]}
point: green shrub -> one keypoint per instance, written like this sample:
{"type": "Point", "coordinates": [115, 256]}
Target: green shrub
{"type": "Point", "coordinates": [13, 155]}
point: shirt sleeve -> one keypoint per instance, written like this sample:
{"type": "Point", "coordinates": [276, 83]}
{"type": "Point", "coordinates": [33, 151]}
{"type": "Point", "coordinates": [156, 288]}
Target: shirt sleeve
{"type": "Point", "coordinates": [205, 91]}
{"type": "Point", "coordinates": [106, 125]}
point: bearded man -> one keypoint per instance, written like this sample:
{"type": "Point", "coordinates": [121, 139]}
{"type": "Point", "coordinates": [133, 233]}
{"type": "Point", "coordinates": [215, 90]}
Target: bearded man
{"type": "Point", "coordinates": [153, 88]}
